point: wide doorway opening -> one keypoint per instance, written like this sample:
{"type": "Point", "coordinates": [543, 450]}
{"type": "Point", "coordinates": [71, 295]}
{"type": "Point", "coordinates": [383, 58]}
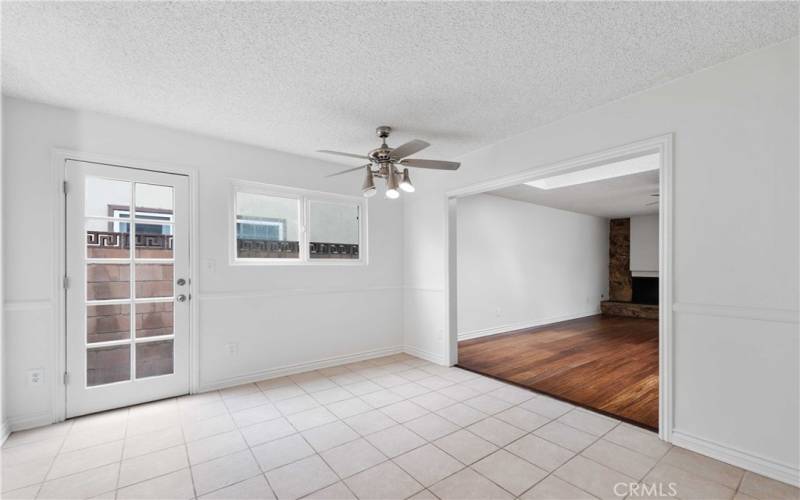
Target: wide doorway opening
{"type": "Point", "coordinates": [557, 283]}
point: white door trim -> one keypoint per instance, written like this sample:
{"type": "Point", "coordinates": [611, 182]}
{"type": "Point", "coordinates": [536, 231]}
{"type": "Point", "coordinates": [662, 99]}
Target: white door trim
{"type": "Point", "coordinates": [58, 161]}
{"type": "Point", "coordinates": [662, 144]}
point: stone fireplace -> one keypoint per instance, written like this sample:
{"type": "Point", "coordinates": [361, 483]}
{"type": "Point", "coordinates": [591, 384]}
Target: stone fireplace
{"type": "Point", "coordinates": [630, 296]}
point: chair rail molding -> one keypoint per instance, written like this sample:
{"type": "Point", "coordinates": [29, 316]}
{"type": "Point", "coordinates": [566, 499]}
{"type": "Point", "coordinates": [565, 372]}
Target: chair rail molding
{"type": "Point", "coordinates": [743, 312]}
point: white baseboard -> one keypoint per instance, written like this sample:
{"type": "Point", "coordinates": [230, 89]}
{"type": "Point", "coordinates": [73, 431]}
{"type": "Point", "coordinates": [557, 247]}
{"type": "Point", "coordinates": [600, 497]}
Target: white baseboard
{"type": "Point", "coordinates": [760, 465]}
{"type": "Point", "coordinates": [5, 431]}
{"type": "Point", "coordinates": [297, 368]}
{"type": "Point", "coordinates": [474, 334]}
{"type": "Point", "coordinates": [426, 355]}
{"type": "Point", "coordinates": [22, 422]}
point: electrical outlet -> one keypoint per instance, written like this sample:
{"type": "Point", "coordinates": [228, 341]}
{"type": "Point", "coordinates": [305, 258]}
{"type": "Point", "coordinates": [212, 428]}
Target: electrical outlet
{"type": "Point", "coordinates": [233, 348]}
{"type": "Point", "coordinates": [211, 265]}
{"type": "Point", "coordinates": [36, 376]}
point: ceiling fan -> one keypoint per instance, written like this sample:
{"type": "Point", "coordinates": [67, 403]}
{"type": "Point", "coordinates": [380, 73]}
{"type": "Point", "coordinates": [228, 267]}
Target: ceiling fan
{"type": "Point", "coordinates": [386, 162]}
{"type": "Point", "coordinates": [653, 202]}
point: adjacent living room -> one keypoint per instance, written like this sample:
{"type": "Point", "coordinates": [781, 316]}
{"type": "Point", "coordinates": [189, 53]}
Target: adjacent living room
{"type": "Point", "coordinates": [569, 305]}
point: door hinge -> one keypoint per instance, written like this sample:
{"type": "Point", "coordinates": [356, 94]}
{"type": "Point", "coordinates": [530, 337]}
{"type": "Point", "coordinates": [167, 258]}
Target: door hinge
{"type": "Point", "coordinates": [66, 282]}
{"type": "Point", "coordinates": [65, 187]}
{"type": "Point", "coordinates": [66, 378]}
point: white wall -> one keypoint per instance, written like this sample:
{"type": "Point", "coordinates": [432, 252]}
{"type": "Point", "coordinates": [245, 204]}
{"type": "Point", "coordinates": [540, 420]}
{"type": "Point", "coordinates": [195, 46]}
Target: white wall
{"type": "Point", "coordinates": [279, 316]}
{"type": "Point", "coordinates": [736, 342]}
{"type": "Point", "coordinates": [4, 429]}
{"type": "Point", "coordinates": [644, 245]}
{"type": "Point", "coordinates": [522, 265]}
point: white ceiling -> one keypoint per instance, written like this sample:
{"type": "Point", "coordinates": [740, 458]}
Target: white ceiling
{"type": "Point", "coordinates": [301, 76]}
{"type": "Point", "coordinates": [612, 198]}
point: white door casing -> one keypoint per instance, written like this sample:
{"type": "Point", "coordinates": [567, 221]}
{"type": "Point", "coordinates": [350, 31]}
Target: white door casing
{"type": "Point", "coordinates": [127, 313]}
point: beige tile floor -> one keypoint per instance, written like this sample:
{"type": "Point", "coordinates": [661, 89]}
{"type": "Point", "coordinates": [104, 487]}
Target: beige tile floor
{"type": "Point", "coordinates": [394, 427]}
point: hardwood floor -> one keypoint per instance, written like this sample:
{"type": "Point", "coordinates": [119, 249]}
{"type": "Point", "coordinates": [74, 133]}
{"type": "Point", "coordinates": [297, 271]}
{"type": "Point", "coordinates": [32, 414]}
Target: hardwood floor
{"type": "Point", "coordinates": [604, 363]}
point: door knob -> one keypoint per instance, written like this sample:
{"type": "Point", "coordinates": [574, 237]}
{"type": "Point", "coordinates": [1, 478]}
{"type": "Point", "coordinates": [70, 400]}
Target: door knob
{"type": "Point", "coordinates": [181, 281]}
{"type": "Point", "coordinates": [181, 298]}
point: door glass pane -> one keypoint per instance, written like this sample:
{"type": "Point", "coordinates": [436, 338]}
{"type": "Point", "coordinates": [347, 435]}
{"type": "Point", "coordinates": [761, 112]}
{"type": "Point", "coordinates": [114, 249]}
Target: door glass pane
{"type": "Point", "coordinates": [154, 318]}
{"type": "Point", "coordinates": [266, 227]}
{"type": "Point", "coordinates": [154, 202]}
{"type": "Point", "coordinates": [154, 241]}
{"type": "Point", "coordinates": [334, 231]}
{"type": "Point", "coordinates": [108, 322]}
{"type": "Point", "coordinates": [154, 358]}
{"type": "Point", "coordinates": [107, 239]}
{"type": "Point", "coordinates": [105, 365]}
{"type": "Point", "coordinates": [107, 198]}
{"type": "Point", "coordinates": [108, 281]}
{"type": "Point", "coordinates": [154, 280]}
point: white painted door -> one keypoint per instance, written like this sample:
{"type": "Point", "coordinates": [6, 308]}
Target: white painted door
{"type": "Point", "coordinates": [127, 286]}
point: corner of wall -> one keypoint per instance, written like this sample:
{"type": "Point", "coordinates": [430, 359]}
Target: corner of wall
{"type": "Point", "coordinates": [5, 431]}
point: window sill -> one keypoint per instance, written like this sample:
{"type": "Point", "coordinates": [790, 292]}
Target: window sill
{"type": "Point", "coordinates": [292, 262]}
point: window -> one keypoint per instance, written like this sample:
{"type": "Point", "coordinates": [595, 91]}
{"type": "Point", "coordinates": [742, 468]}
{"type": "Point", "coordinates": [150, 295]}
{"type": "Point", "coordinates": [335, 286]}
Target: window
{"type": "Point", "coordinates": [124, 227]}
{"type": "Point", "coordinates": [273, 225]}
{"type": "Point", "coordinates": [334, 230]}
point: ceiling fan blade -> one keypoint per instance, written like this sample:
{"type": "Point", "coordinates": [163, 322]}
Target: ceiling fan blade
{"type": "Point", "coordinates": [408, 149]}
{"type": "Point", "coordinates": [348, 170]}
{"type": "Point", "coordinates": [339, 153]}
{"type": "Point", "coordinates": [435, 164]}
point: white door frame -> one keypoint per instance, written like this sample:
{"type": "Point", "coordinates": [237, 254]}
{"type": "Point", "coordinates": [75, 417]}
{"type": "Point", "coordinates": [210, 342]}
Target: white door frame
{"type": "Point", "coordinates": [58, 161]}
{"type": "Point", "coordinates": [661, 144]}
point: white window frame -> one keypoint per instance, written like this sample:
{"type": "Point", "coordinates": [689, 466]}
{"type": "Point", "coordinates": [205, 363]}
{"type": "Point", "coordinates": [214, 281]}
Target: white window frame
{"type": "Point", "coordinates": [304, 199]}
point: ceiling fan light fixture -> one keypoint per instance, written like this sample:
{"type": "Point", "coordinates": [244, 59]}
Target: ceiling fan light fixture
{"type": "Point", "coordinates": [391, 183]}
{"type": "Point", "coordinates": [386, 160]}
{"type": "Point", "coordinates": [405, 184]}
{"type": "Point", "coordinates": [368, 189]}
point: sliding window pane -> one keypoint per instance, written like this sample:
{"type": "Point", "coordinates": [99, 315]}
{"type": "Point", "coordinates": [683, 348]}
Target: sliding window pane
{"type": "Point", "coordinates": [108, 322]}
{"type": "Point", "coordinates": [334, 230]}
{"type": "Point", "coordinates": [105, 365]}
{"type": "Point", "coordinates": [266, 227]}
{"type": "Point", "coordinates": [108, 281]}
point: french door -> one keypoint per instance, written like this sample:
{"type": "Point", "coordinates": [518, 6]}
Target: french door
{"type": "Point", "coordinates": [127, 256]}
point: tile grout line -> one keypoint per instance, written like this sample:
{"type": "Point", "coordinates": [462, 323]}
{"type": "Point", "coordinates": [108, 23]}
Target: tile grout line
{"type": "Point", "coordinates": [53, 461]}
{"type": "Point", "coordinates": [186, 450]}
{"type": "Point", "coordinates": [122, 453]}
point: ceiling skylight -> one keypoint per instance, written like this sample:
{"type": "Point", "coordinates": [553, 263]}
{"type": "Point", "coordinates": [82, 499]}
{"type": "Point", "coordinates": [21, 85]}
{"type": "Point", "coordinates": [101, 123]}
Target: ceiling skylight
{"type": "Point", "coordinates": [608, 171]}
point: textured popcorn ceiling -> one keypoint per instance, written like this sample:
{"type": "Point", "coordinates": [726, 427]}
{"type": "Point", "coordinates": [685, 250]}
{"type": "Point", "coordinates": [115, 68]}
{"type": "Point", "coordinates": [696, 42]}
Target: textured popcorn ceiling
{"type": "Point", "coordinates": [304, 76]}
